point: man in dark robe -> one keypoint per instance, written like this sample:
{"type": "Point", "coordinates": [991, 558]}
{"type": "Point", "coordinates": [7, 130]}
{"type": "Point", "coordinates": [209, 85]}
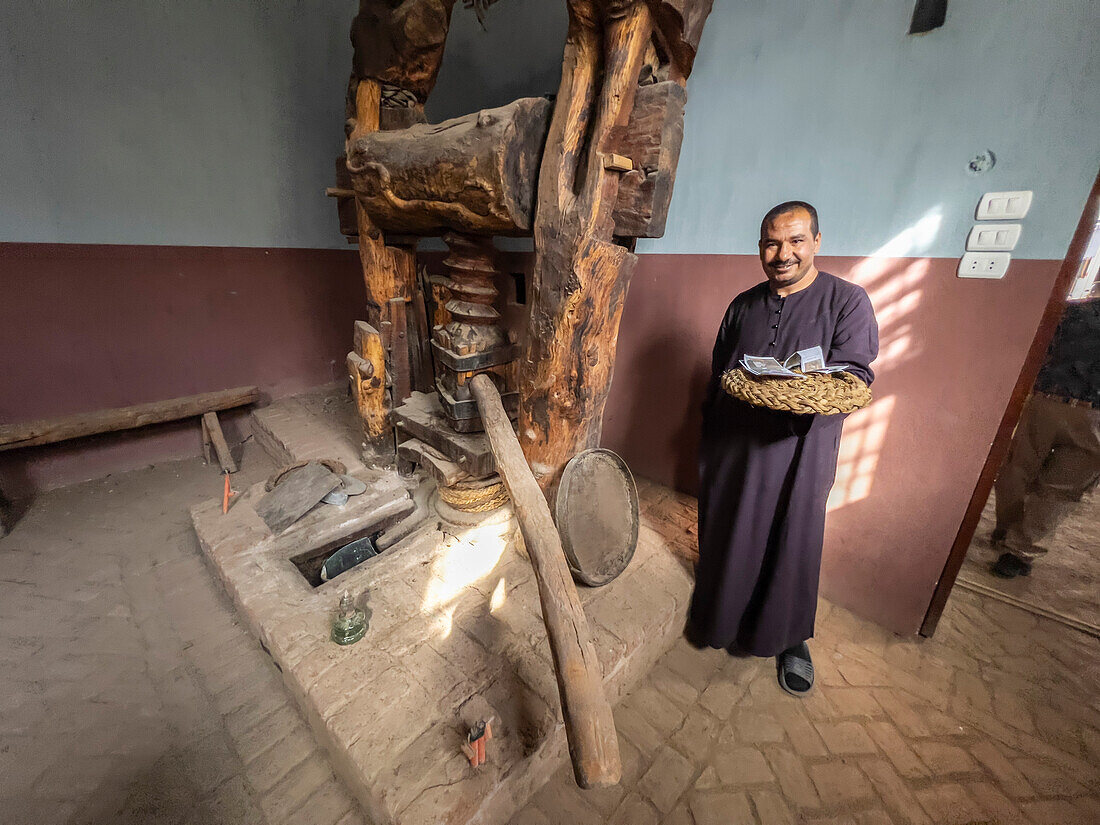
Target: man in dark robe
{"type": "Point", "coordinates": [765, 475]}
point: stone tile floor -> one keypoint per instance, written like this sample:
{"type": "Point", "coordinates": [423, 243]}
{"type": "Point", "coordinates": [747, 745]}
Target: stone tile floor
{"type": "Point", "coordinates": [1065, 580]}
{"type": "Point", "coordinates": [129, 693]}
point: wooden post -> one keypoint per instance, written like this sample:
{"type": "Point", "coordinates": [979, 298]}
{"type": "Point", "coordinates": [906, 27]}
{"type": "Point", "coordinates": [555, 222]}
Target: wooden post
{"type": "Point", "coordinates": [399, 351]}
{"type": "Point", "coordinates": [580, 275]}
{"type": "Point", "coordinates": [367, 370]}
{"type": "Point", "coordinates": [589, 724]}
{"type": "Point", "coordinates": [582, 269]}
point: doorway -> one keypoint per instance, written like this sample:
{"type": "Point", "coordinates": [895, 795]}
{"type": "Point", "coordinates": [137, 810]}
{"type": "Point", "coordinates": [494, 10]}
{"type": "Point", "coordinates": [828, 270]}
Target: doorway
{"type": "Point", "coordinates": [973, 546]}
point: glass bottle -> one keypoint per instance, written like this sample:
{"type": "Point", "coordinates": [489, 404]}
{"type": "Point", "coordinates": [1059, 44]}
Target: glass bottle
{"type": "Point", "coordinates": [350, 623]}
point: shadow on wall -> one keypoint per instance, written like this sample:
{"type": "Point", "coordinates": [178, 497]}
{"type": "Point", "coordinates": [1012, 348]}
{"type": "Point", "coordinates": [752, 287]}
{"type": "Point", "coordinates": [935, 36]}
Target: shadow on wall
{"type": "Point", "coordinates": [667, 417]}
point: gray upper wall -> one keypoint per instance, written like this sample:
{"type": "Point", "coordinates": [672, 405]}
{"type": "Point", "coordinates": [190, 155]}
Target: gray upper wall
{"type": "Point", "coordinates": [215, 123]}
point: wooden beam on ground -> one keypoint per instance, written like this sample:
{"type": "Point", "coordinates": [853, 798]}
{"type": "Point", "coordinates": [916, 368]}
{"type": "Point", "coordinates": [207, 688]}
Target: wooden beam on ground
{"type": "Point", "coordinates": [49, 431]}
{"type": "Point", "coordinates": [446, 472]}
{"type": "Point", "coordinates": [214, 429]}
{"type": "Point", "coordinates": [589, 725]}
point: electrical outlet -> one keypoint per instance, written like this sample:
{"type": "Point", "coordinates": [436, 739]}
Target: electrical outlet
{"type": "Point", "coordinates": [984, 264]}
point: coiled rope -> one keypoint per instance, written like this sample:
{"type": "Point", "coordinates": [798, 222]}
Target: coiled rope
{"type": "Point", "coordinates": [471, 499]}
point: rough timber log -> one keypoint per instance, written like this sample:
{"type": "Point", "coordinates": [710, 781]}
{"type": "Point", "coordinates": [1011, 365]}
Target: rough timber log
{"type": "Point", "coordinates": [589, 725]}
{"type": "Point", "coordinates": [380, 277]}
{"type": "Point", "coordinates": [398, 50]}
{"type": "Point", "coordinates": [477, 173]}
{"type": "Point", "coordinates": [680, 25]}
{"type": "Point", "coordinates": [52, 430]}
{"type": "Point", "coordinates": [474, 173]}
{"type": "Point", "coordinates": [652, 141]}
{"type": "Point", "coordinates": [581, 273]}
{"type": "Point", "coordinates": [401, 43]}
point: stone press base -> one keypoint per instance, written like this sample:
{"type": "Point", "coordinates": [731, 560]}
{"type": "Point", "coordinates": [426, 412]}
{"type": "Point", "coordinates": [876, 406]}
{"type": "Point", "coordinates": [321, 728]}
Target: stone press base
{"type": "Point", "coordinates": [455, 635]}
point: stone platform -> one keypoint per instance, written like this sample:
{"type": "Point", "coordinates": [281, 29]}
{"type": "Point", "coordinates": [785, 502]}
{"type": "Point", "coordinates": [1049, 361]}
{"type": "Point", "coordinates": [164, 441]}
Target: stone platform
{"type": "Point", "coordinates": [455, 634]}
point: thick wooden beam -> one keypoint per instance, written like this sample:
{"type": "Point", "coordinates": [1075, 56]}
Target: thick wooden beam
{"type": "Point", "coordinates": [52, 430]}
{"type": "Point", "coordinates": [477, 173]}
{"type": "Point", "coordinates": [583, 266]}
{"type": "Point", "coordinates": [651, 140]}
{"type": "Point", "coordinates": [589, 725]}
{"type": "Point", "coordinates": [474, 173]}
{"type": "Point", "coordinates": [580, 275]}
{"type": "Point", "coordinates": [680, 23]}
{"type": "Point", "coordinates": [401, 42]}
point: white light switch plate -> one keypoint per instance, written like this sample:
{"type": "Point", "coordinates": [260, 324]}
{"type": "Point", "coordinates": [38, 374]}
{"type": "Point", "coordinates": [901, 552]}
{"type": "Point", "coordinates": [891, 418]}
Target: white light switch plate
{"type": "Point", "coordinates": [993, 237]}
{"type": "Point", "coordinates": [984, 264]}
{"type": "Point", "coordinates": [1003, 206]}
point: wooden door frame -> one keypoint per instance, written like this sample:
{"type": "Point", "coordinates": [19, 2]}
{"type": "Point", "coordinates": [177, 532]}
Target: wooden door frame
{"type": "Point", "coordinates": [1030, 371]}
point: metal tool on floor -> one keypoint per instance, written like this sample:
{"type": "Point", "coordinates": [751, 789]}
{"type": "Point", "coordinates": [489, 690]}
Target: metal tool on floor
{"type": "Point", "coordinates": [476, 737]}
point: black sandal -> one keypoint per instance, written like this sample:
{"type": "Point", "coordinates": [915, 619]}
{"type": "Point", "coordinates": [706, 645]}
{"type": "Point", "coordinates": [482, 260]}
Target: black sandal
{"type": "Point", "coordinates": [795, 670]}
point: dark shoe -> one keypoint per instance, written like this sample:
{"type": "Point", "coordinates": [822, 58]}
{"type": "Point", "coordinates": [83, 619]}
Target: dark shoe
{"type": "Point", "coordinates": [795, 670]}
{"type": "Point", "coordinates": [998, 535]}
{"type": "Point", "coordinates": [1009, 566]}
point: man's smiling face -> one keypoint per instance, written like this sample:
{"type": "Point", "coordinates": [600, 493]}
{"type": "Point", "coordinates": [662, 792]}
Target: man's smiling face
{"type": "Point", "coordinates": [787, 248]}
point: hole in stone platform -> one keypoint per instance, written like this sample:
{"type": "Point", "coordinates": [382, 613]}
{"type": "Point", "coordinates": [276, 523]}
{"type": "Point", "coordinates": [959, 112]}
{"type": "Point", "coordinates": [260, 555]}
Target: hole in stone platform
{"type": "Point", "coordinates": [310, 562]}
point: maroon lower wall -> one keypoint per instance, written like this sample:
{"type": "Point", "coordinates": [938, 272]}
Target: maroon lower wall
{"type": "Point", "coordinates": [951, 351]}
{"type": "Point", "coordinates": [87, 327]}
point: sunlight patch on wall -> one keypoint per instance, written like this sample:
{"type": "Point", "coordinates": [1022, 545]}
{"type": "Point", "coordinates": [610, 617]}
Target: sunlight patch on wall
{"type": "Point", "coordinates": [915, 240]}
{"type": "Point", "coordinates": [894, 283]}
{"type": "Point", "coordinates": [864, 435]}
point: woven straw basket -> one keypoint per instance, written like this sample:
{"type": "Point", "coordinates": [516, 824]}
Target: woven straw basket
{"type": "Point", "coordinates": [833, 394]}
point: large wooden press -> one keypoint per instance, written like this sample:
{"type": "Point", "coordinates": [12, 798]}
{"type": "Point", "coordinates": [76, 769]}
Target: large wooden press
{"type": "Point", "coordinates": [585, 175]}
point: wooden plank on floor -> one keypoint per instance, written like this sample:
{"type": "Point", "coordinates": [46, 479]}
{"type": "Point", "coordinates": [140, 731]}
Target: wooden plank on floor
{"type": "Point", "coordinates": [297, 494]}
{"type": "Point", "coordinates": [217, 438]}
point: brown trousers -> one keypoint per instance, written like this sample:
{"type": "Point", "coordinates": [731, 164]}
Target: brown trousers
{"type": "Point", "coordinates": [1053, 461]}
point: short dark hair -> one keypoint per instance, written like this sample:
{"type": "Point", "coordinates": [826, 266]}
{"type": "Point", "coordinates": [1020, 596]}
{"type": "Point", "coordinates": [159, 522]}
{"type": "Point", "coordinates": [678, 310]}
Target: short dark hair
{"type": "Point", "coordinates": [791, 206]}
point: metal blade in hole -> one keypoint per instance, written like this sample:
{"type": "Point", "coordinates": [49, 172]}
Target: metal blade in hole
{"type": "Point", "coordinates": [348, 557]}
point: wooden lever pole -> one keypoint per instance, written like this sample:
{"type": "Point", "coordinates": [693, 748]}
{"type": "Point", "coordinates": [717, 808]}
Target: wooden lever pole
{"type": "Point", "coordinates": [589, 725]}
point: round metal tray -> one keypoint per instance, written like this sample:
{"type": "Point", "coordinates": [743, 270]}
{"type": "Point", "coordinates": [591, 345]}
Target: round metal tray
{"type": "Point", "coordinates": [597, 516]}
